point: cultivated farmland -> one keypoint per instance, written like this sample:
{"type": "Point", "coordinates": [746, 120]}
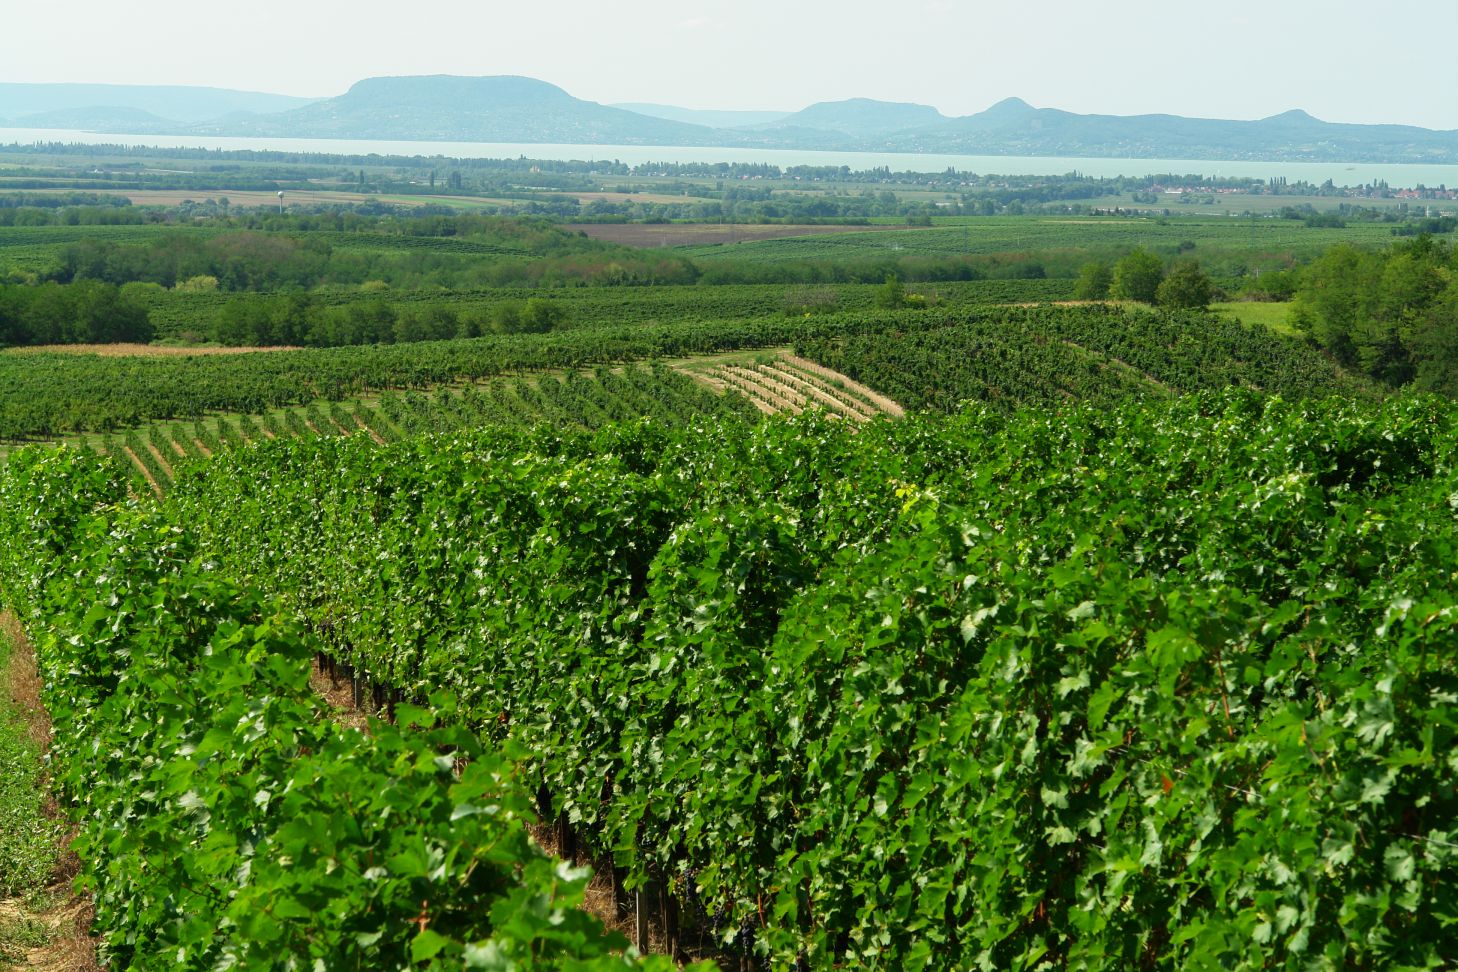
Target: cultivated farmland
{"type": "Point", "coordinates": [446, 591]}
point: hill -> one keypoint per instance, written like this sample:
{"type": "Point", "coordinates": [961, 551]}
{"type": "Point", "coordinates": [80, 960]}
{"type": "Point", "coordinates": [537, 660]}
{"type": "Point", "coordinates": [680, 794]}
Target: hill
{"type": "Point", "coordinates": [517, 109]}
{"type": "Point", "coordinates": [862, 117]}
{"type": "Point", "coordinates": [101, 118]}
{"type": "Point", "coordinates": [489, 109]}
{"type": "Point", "coordinates": [706, 116]}
{"type": "Point", "coordinates": [30, 104]}
{"type": "Point", "coordinates": [1013, 127]}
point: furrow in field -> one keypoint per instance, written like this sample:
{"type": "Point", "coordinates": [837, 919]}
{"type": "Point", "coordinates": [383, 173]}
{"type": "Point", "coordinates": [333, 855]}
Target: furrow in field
{"type": "Point", "coordinates": [854, 388]}
{"type": "Point", "coordinates": [760, 396]}
{"type": "Point", "coordinates": [768, 379]}
{"type": "Point", "coordinates": [146, 473]}
{"type": "Point", "coordinates": [825, 396]}
{"type": "Point", "coordinates": [759, 386]}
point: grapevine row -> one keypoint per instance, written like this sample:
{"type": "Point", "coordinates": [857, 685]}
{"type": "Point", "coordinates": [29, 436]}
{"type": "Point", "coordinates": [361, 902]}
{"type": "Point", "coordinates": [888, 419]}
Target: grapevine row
{"type": "Point", "coordinates": [1154, 684]}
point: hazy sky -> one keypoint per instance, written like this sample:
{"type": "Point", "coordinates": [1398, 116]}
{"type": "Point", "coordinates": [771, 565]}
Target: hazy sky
{"type": "Point", "coordinates": [1342, 60]}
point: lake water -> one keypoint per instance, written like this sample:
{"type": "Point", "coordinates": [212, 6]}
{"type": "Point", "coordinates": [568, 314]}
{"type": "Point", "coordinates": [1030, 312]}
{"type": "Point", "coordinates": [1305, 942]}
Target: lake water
{"type": "Point", "coordinates": [1341, 174]}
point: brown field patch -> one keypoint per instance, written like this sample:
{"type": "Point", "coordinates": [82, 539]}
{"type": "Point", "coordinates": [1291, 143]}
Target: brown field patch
{"type": "Point", "coordinates": [648, 197]}
{"type": "Point", "coordinates": [138, 350]}
{"type": "Point", "coordinates": [703, 234]}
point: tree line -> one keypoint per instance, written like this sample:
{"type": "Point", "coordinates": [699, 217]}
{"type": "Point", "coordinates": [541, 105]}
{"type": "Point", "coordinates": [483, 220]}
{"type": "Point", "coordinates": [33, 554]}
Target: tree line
{"type": "Point", "coordinates": [1392, 314]}
{"type": "Point", "coordinates": [86, 312]}
{"type": "Point", "coordinates": [299, 320]}
{"type": "Point", "coordinates": [1142, 276]}
{"type": "Point", "coordinates": [249, 260]}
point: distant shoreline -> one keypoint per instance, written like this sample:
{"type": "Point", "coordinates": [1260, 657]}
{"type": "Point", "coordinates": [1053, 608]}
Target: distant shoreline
{"type": "Point", "coordinates": [1396, 175]}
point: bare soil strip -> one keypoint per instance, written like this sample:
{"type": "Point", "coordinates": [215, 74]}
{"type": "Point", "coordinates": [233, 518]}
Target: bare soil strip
{"type": "Point", "coordinates": [203, 450]}
{"type": "Point", "coordinates": [751, 383]}
{"type": "Point", "coordinates": [177, 448]}
{"type": "Point", "coordinates": [162, 461]}
{"type": "Point", "coordinates": [842, 405]}
{"type": "Point", "coordinates": [854, 387]}
{"type": "Point", "coordinates": [338, 693]}
{"type": "Point", "coordinates": [783, 390]}
{"type": "Point", "coordinates": [146, 473]}
{"type": "Point", "coordinates": [789, 384]}
{"type": "Point", "coordinates": [338, 428]}
{"type": "Point", "coordinates": [63, 915]}
{"type": "Point", "coordinates": [721, 385]}
{"type": "Point", "coordinates": [137, 350]}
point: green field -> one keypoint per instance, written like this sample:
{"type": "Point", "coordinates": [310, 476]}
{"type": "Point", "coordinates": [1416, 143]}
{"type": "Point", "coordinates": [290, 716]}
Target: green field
{"type": "Point", "coordinates": [1273, 316]}
{"type": "Point", "coordinates": [1225, 245]}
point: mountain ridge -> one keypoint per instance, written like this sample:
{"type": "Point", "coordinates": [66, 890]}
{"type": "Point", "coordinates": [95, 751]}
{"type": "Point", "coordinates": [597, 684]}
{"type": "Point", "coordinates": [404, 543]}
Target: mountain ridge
{"type": "Point", "coordinates": [177, 104]}
{"type": "Point", "coordinates": [516, 109]}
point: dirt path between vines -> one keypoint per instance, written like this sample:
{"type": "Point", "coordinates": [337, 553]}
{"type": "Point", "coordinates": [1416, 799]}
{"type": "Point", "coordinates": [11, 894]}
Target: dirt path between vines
{"type": "Point", "coordinates": [58, 913]}
{"type": "Point", "coordinates": [601, 899]}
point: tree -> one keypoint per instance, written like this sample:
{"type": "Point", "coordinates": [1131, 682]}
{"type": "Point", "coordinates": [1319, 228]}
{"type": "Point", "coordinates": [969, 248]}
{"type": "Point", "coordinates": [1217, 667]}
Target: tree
{"type": "Point", "coordinates": [891, 294]}
{"type": "Point", "coordinates": [1137, 277]}
{"type": "Point", "coordinates": [1093, 282]}
{"type": "Point", "coordinates": [541, 315]}
{"type": "Point", "coordinates": [1186, 287]}
{"type": "Point", "coordinates": [1337, 291]}
{"type": "Point", "coordinates": [1434, 342]}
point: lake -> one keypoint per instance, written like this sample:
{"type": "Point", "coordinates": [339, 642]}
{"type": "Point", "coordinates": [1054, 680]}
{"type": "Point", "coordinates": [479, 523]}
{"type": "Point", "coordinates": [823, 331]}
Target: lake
{"type": "Point", "coordinates": [1341, 174]}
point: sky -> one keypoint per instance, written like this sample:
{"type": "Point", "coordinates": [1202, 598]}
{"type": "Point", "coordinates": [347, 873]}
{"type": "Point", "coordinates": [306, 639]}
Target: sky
{"type": "Point", "coordinates": [1338, 59]}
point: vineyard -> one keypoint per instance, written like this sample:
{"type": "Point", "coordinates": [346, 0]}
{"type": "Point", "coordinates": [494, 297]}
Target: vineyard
{"type": "Point", "coordinates": [176, 313]}
{"type": "Point", "coordinates": [855, 600]}
{"type": "Point", "coordinates": [1155, 684]}
{"type": "Point", "coordinates": [785, 383]}
{"type": "Point", "coordinates": [583, 401]}
{"type": "Point", "coordinates": [1011, 354]}
{"type": "Point", "coordinates": [1088, 354]}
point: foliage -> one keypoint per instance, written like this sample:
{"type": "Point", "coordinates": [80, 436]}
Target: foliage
{"type": "Point", "coordinates": [1185, 287]}
{"type": "Point", "coordinates": [1094, 281]}
{"type": "Point", "coordinates": [1028, 352]}
{"type": "Point", "coordinates": [226, 821]}
{"type": "Point", "coordinates": [538, 315]}
{"type": "Point", "coordinates": [82, 313]}
{"type": "Point", "coordinates": [1137, 277]}
{"type": "Point", "coordinates": [460, 251]}
{"type": "Point", "coordinates": [576, 400]}
{"type": "Point", "coordinates": [866, 701]}
{"type": "Point", "coordinates": [1051, 355]}
{"type": "Point", "coordinates": [892, 294]}
{"type": "Point", "coordinates": [1394, 313]}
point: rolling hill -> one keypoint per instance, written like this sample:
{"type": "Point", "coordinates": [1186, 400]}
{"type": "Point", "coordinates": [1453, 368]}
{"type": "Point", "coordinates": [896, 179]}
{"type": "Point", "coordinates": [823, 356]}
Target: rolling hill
{"type": "Point", "coordinates": [489, 109]}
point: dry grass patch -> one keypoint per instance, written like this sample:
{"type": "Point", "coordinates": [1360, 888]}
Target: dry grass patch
{"type": "Point", "coordinates": [703, 234]}
{"type": "Point", "coordinates": [139, 350]}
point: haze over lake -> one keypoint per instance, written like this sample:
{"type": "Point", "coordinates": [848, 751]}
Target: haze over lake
{"type": "Point", "coordinates": [1341, 174]}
